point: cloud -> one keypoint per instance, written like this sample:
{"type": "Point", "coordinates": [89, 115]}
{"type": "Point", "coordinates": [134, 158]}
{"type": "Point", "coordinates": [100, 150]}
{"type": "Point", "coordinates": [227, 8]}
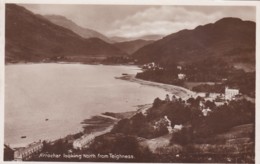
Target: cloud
{"type": "Point", "coordinates": [150, 28]}
{"type": "Point", "coordinates": [97, 17]}
{"type": "Point", "coordinates": [169, 19]}
{"type": "Point", "coordinates": [134, 21]}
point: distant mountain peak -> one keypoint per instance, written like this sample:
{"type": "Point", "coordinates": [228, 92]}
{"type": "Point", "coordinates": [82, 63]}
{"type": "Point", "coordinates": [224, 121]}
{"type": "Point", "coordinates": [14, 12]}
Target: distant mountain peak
{"type": "Point", "coordinates": [82, 31]}
{"type": "Point", "coordinates": [232, 21]}
{"type": "Point", "coordinates": [229, 19]}
{"type": "Point", "coordinates": [132, 46]}
{"type": "Point", "coordinates": [152, 37]}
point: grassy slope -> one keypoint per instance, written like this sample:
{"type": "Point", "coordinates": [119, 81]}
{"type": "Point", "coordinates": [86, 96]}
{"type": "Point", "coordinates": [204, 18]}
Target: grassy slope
{"type": "Point", "coordinates": [237, 140]}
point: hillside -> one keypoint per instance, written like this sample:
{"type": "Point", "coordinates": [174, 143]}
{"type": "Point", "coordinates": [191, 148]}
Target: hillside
{"type": "Point", "coordinates": [226, 134]}
{"type": "Point", "coordinates": [229, 38]}
{"type": "Point", "coordinates": [31, 38]}
{"type": "Point", "coordinates": [84, 32]}
{"type": "Point", "coordinates": [131, 46]}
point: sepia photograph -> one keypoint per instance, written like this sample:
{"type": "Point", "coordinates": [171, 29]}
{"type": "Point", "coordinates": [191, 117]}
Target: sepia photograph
{"type": "Point", "coordinates": [157, 83]}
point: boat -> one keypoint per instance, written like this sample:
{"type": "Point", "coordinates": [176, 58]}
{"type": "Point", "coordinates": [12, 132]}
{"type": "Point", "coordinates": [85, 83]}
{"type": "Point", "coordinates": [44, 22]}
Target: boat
{"type": "Point", "coordinates": [23, 136]}
{"type": "Point", "coordinates": [46, 119]}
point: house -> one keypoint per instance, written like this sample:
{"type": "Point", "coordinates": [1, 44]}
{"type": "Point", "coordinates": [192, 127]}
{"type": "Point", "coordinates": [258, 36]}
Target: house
{"type": "Point", "coordinates": [86, 139]}
{"type": "Point", "coordinates": [230, 93]}
{"type": "Point", "coordinates": [83, 141]}
{"type": "Point", "coordinates": [205, 111]}
{"type": "Point", "coordinates": [149, 65]}
{"type": "Point", "coordinates": [177, 127]}
{"type": "Point", "coordinates": [179, 67]}
{"type": "Point", "coordinates": [26, 153]}
{"type": "Point", "coordinates": [152, 66]}
{"type": "Point", "coordinates": [181, 76]}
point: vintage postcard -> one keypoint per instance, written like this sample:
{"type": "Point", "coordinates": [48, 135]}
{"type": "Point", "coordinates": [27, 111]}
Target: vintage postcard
{"type": "Point", "coordinates": [160, 82]}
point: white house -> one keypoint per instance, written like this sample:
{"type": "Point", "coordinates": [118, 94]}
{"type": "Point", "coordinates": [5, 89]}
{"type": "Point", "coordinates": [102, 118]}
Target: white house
{"type": "Point", "coordinates": [179, 67]}
{"type": "Point", "coordinates": [177, 127]}
{"type": "Point", "coordinates": [230, 93]}
{"type": "Point", "coordinates": [27, 152]}
{"type": "Point", "coordinates": [205, 111]}
{"type": "Point", "coordinates": [86, 139]}
{"type": "Point", "coordinates": [181, 76]}
{"type": "Point", "coordinates": [82, 141]}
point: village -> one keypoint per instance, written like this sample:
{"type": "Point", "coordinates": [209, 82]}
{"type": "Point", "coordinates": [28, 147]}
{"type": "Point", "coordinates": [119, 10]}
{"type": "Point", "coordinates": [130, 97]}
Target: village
{"type": "Point", "coordinates": [223, 98]}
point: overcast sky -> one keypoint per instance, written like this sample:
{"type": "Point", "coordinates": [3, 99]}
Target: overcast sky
{"type": "Point", "coordinates": [134, 21]}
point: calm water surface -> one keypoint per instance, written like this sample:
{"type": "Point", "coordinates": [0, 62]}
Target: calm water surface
{"type": "Point", "coordinates": [65, 94]}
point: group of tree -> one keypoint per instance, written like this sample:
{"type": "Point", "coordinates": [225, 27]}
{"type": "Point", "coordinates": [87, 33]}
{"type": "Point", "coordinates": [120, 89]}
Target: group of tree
{"type": "Point", "coordinates": [161, 76]}
{"type": "Point", "coordinates": [117, 60]}
{"type": "Point", "coordinates": [209, 70]}
{"type": "Point", "coordinates": [220, 119]}
{"type": "Point", "coordinates": [239, 79]}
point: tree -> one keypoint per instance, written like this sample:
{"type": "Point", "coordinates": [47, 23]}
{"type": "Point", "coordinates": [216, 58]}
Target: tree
{"type": "Point", "coordinates": [157, 102]}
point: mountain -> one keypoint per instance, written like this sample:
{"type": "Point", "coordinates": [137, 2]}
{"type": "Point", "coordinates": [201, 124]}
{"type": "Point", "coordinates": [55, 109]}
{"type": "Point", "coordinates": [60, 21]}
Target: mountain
{"type": "Point", "coordinates": [151, 37]}
{"type": "Point", "coordinates": [32, 38]}
{"type": "Point", "coordinates": [84, 32]}
{"type": "Point", "coordinates": [144, 37]}
{"type": "Point", "coordinates": [120, 39]}
{"type": "Point", "coordinates": [229, 38]}
{"type": "Point", "coordinates": [131, 46]}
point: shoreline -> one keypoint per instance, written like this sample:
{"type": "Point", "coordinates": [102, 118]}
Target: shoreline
{"type": "Point", "coordinates": [97, 124]}
{"type": "Point", "coordinates": [179, 91]}
{"type": "Point", "coordinates": [61, 62]}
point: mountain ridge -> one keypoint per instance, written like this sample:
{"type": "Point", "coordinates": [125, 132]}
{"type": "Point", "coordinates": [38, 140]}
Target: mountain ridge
{"type": "Point", "coordinates": [31, 38]}
{"type": "Point", "coordinates": [82, 31]}
{"type": "Point", "coordinates": [230, 38]}
{"type": "Point", "coordinates": [131, 46]}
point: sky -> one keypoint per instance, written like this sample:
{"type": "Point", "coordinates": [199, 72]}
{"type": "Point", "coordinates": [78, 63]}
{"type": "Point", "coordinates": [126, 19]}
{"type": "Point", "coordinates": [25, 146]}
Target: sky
{"type": "Point", "coordinates": [137, 20]}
